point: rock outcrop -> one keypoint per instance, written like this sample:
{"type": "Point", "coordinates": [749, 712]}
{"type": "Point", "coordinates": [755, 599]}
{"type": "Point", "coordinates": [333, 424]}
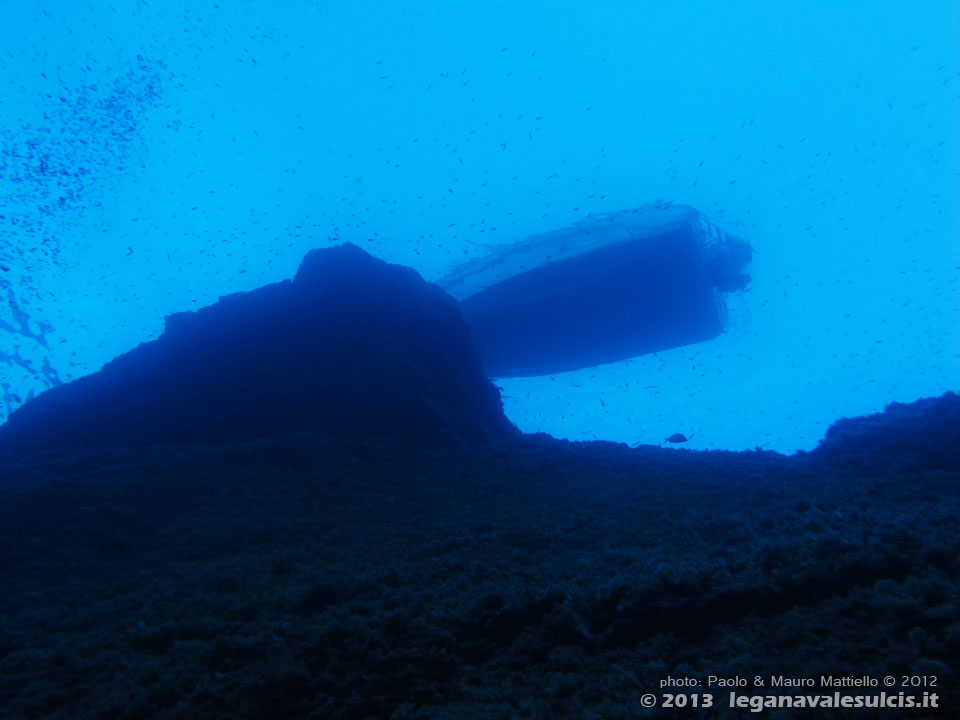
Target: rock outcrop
{"type": "Point", "coordinates": [906, 437]}
{"type": "Point", "coordinates": [352, 346]}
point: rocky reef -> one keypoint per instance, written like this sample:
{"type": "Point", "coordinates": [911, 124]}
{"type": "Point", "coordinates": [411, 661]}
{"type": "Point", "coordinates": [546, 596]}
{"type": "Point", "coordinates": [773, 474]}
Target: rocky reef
{"type": "Point", "coordinates": [352, 346]}
{"type": "Point", "coordinates": [305, 502]}
{"type": "Point", "coordinates": [301, 576]}
{"type": "Point", "coordinates": [915, 436]}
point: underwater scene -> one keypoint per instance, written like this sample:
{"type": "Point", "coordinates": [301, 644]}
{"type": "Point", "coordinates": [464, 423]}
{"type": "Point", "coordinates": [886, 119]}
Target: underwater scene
{"type": "Point", "coordinates": [521, 360]}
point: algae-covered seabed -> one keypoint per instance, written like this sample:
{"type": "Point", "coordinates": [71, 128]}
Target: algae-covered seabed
{"type": "Point", "coordinates": [301, 577]}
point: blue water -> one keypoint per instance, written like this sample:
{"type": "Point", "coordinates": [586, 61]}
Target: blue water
{"type": "Point", "coordinates": [156, 156]}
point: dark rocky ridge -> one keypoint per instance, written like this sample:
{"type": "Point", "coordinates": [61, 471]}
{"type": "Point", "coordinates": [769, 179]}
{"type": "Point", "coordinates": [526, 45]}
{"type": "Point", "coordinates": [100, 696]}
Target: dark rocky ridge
{"type": "Point", "coordinates": [347, 572]}
{"type": "Point", "coordinates": [352, 346]}
{"type": "Point", "coordinates": [922, 435]}
{"type": "Point", "coordinates": [301, 576]}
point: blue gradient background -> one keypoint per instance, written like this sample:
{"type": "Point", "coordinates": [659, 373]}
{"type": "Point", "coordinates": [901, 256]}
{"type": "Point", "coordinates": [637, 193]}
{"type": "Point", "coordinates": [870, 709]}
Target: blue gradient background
{"type": "Point", "coordinates": [220, 141]}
